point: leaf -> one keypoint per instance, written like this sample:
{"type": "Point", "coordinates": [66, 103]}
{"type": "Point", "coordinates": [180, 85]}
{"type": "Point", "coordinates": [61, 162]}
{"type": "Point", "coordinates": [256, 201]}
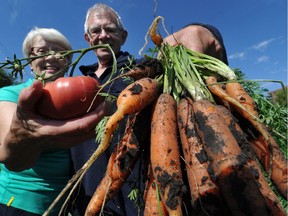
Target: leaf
{"type": "Point", "coordinates": [99, 130]}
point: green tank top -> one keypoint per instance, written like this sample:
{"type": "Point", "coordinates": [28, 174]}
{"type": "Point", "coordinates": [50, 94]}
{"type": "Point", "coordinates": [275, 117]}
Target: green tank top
{"type": "Point", "coordinates": [34, 189]}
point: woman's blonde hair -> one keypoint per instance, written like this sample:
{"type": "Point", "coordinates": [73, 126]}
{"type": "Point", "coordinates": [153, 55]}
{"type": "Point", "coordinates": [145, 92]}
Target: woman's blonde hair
{"type": "Point", "coordinates": [48, 34]}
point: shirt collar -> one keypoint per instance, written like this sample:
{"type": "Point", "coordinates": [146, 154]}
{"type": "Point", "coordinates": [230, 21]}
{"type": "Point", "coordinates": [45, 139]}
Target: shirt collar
{"type": "Point", "coordinates": [121, 59]}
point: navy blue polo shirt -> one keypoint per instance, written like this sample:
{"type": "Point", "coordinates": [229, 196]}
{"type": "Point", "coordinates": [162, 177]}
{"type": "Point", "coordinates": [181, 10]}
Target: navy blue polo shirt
{"type": "Point", "coordinates": [120, 204]}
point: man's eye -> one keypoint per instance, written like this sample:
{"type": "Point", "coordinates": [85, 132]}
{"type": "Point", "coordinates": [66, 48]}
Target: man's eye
{"type": "Point", "coordinates": [110, 30]}
{"type": "Point", "coordinates": [96, 30]}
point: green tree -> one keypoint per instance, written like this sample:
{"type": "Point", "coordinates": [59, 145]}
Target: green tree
{"type": "Point", "coordinates": [281, 97]}
{"type": "Point", "coordinates": [6, 79]}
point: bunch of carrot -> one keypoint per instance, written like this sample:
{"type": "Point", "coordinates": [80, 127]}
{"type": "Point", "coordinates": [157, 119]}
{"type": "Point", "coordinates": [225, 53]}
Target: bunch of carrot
{"type": "Point", "coordinates": [201, 125]}
{"type": "Point", "coordinates": [206, 141]}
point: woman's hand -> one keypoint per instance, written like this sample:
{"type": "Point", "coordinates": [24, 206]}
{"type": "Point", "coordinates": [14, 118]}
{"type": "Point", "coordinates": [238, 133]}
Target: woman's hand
{"type": "Point", "coordinates": [29, 133]}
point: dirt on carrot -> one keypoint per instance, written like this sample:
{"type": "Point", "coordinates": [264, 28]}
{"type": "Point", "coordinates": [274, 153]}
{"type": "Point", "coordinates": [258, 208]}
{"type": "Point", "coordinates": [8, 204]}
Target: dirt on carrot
{"type": "Point", "coordinates": [237, 91]}
{"type": "Point", "coordinates": [150, 69]}
{"type": "Point", "coordinates": [165, 154]}
{"type": "Point", "coordinates": [122, 160]}
{"type": "Point", "coordinates": [236, 181]}
{"type": "Point", "coordinates": [271, 200]}
{"type": "Point", "coordinates": [206, 196]}
{"type": "Point", "coordinates": [119, 168]}
{"type": "Point", "coordinates": [134, 98]}
{"type": "Point", "coordinates": [279, 170]}
{"type": "Point", "coordinates": [152, 201]}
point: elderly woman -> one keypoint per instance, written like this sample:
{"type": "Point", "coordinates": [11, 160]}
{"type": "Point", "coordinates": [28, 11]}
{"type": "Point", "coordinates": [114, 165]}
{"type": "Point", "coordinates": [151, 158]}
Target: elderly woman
{"type": "Point", "coordinates": [45, 171]}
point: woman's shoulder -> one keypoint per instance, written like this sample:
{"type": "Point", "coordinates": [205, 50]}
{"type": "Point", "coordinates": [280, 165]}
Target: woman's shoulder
{"type": "Point", "coordinates": [11, 93]}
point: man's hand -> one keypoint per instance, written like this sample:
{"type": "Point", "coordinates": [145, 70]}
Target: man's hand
{"type": "Point", "coordinates": [198, 39]}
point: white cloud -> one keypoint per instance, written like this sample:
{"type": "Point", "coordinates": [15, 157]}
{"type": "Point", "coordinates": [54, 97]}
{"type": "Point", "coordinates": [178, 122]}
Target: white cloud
{"type": "Point", "coordinates": [13, 16]}
{"type": "Point", "coordinates": [12, 6]}
{"type": "Point", "coordinates": [262, 45]}
{"type": "Point", "coordinates": [240, 55]}
{"type": "Point", "coordinates": [262, 59]}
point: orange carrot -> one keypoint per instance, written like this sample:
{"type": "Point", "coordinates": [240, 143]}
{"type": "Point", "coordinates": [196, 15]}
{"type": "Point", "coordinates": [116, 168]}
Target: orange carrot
{"type": "Point", "coordinates": [156, 38]}
{"type": "Point", "coordinates": [152, 203]}
{"type": "Point", "coordinates": [271, 200]}
{"type": "Point", "coordinates": [221, 101]}
{"type": "Point", "coordinates": [265, 146]}
{"type": "Point", "coordinates": [247, 109]}
{"type": "Point", "coordinates": [279, 171]}
{"type": "Point", "coordinates": [120, 164]}
{"type": "Point", "coordinates": [217, 140]}
{"type": "Point", "coordinates": [165, 154]}
{"type": "Point", "coordinates": [237, 91]}
{"type": "Point", "coordinates": [134, 98]}
{"type": "Point", "coordinates": [236, 181]}
{"type": "Point", "coordinates": [204, 192]}
{"type": "Point", "coordinates": [105, 190]}
{"type": "Point", "coordinates": [149, 68]}
{"type": "Point", "coordinates": [244, 105]}
{"type": "Point", "coordinates": [261, 150]}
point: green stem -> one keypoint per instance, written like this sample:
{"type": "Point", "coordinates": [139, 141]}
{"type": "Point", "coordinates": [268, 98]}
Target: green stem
{"type": "Point", "coordinates": [10, 64]}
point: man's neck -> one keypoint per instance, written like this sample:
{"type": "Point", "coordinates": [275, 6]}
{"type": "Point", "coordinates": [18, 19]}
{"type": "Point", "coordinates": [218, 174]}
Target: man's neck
{"type": "Point", "coordinates": [102, 65]}
{"type": "Point", "coordinates": [100, 70]}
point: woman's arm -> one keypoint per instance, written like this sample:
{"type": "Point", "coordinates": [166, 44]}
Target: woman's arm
{"type": "Point", "coordinates": [25, 134]}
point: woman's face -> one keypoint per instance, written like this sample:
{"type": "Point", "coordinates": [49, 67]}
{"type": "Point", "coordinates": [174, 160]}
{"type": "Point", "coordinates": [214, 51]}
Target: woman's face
{"type": "Point", "coordinates": [49, 66]}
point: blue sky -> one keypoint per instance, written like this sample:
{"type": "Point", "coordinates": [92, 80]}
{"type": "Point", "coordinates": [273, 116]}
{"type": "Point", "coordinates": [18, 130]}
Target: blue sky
{"type": "Point", "coordinates": [254, 31]}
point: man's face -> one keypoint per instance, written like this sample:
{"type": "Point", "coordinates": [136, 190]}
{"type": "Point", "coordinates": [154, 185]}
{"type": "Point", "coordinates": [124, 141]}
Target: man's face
{"type": "Point", "coordinates": [103, 29]}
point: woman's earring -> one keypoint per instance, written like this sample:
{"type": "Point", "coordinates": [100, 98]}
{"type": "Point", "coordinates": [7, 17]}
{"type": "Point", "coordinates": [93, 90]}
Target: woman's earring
{"type": "Point", "coordinates": [32, 72]}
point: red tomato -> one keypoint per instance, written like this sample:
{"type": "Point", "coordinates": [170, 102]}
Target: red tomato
{"type": "Point", "coordinates": [69, 97]}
